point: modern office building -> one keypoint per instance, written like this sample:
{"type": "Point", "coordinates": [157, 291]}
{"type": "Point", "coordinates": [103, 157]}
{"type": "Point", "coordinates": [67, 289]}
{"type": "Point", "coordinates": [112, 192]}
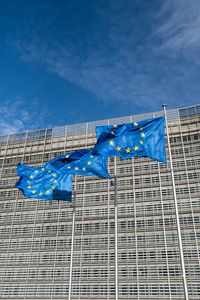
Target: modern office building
{"type": "Point", "coordinates": [35, 235]}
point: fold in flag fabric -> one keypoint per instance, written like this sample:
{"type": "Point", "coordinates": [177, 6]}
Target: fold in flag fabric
{"type": "Point", "coordinates": [81, 162]}
{"type": "Point", "coordinates": [142, 139]}
{"type": "Point", "coordinates": [53, 181]}
{"type": "Point", "coordinates": [43, 183]}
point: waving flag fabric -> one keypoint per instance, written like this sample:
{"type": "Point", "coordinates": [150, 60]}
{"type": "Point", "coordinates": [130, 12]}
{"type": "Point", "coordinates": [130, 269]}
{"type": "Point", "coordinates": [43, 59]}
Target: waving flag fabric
{"type": "Point", "coordinates": [81, 162]}
{"type": "Point", "coordinates": [43, 183]}
{"type": "Point", "coordinates": [54, 180]}
{"type": "Point", "coordinates": [145, 138]}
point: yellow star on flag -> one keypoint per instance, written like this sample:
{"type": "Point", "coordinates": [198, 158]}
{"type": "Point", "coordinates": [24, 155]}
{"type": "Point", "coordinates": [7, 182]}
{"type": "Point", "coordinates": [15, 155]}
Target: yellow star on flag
{"type": "Point", "coordinates": [42, 169]}
{"type": "Point", "coordinates": [40, 193]}
{"type": "Point", "coordinates": [89, 163]}
{"type": "Point", "coordinates": [49, 171]}
{"type": "Point", "coordinates": [29, 187]}
{"type": "Point", "coordinates": [53, 187]}
{"type": "Point", "coordinates": [76, 168]}
{"type": "Point", "coordinates": [128, 150]}
{"type": "Point", "coordinates": [54, 175]}
{"type": "Point", "coordinates": [91, 156]}
{"type": "Point", "coordinates": [135, 124]}
{"type": "Point", "coordinates": [31, 176]}
{"type": "Point", "coordinates": [36, 171]}
{"type": "Point", "coordinates": [69, 167]}
{"type": "Point", "coordinates": [55, 181]}
{"type": "Point", "coordinates": [83, 169]}
{"type": "Point", "coordinates": [67, 156]}
{"type": "Point", "coordinates": [115, 125]}
{"type": "Point", "coordinates": [28, 181]}
{"type": "Point", "coordinates": [47, 192]}
{"type": "Point", "coordinates": [118, 149]}
{"type": "Point", "coordinates": [33, 192]}
{"type": "Point", "coordinates": [142, 134]}
{"type": "Point", "coordinates": [111, 143]}
{"type": "Point", "coordinates": [141, 142]}
{"type": "Point", "coordinates": [112, 133]}
{"type": "Point", "coordinates": [141, 128]}
{"type": "Point", "coordinates": [136, 148]}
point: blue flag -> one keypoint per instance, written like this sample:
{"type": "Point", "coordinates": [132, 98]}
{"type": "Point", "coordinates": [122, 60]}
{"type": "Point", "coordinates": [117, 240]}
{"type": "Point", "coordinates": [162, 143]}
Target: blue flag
{"type": "Point", "coordinates": [43, 183]}
{"type": "Point", "coordinates": [145, 138]}
{"type": "Point", "coordinates": [81, 162]}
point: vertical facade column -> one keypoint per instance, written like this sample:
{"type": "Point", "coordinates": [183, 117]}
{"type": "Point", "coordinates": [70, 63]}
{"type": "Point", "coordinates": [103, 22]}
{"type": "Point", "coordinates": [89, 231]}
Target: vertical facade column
{"type": "Point", "coordinates": [176, 212]}
{"type": "Point", "coordinates": [72, 243]}
{"type": "Point", "coordinates": [116, 231]}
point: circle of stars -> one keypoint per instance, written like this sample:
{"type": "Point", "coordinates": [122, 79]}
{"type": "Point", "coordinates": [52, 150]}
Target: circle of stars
{"type": "Point", "coordinates": [128, 150]}
{"type": "Point", "coordinates": [42, 191]}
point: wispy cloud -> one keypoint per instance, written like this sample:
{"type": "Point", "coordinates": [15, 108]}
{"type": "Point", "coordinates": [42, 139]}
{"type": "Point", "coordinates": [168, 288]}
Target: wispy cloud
{"type": "Point", "coordinates": [113, 65]}
{"type": "Point", "coordinates": [180, 28]}
{"type": "Point", "coordinates": [15, 117]}
{"type": "Point", "coordinates": [116, 60]}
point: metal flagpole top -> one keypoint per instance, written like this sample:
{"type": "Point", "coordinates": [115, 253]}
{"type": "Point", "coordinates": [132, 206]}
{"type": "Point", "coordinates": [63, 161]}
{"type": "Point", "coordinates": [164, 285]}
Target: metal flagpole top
{"type": "Point", "coordinates": [164, 105]}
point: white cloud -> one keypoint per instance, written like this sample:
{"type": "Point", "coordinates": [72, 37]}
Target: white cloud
{"type": "Point", "coordinates": [16, 118]}
{"type": "Point", "coordinates": [112, 77]}
{"type": "Point", "coordinates": [181, 26]}
{"type": "Point", "coordinates": [116, 60]}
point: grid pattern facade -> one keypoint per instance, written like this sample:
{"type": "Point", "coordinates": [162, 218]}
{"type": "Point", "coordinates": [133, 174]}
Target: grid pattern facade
{"type": "Point", "coordinates": [35, 235]}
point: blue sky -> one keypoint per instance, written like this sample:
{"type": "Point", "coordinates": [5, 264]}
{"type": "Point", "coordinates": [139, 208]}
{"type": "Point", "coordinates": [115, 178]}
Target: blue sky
{"type": "Point", "coordinates": [73, 61]}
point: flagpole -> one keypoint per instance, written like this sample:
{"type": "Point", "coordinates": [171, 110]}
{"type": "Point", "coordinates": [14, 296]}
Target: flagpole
{"type": "Point", "coordinates": [116, 233]}
{"type": "Point", "coordinates": [177, 213]}
{"type": "Point", "coordinates": [72, 243]}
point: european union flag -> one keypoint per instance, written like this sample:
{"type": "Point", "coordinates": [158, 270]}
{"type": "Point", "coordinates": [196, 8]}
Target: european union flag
{"type": "Point", "coordinates": [81, 162]}
{"type": "Point", "coordinates": [145, 138]}
{"type": "Point", "coordinates": [43, 183]}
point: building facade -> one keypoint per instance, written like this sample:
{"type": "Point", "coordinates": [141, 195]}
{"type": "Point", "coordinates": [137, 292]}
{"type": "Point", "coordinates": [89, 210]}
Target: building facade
{"type": "Point", "coordinates": [35, 235]}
